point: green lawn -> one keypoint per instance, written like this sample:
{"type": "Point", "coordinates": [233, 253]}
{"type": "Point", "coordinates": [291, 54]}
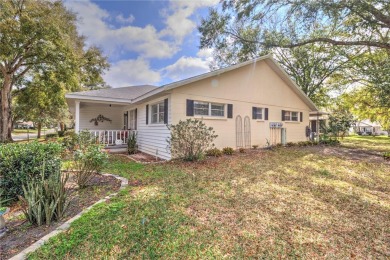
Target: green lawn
{"type": "Point", "coordinates": [373, 143]}
{"type": "Point", "coordinates": [285, 203]}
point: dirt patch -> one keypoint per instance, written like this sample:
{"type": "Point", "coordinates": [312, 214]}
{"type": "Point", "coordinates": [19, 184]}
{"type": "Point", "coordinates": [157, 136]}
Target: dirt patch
{"type": "Point", "coordinates": [144, 158]}
{"type": "Point", "coordinates": [22, 234]}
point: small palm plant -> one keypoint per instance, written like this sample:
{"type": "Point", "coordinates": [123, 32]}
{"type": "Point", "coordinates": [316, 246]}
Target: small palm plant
{"type": "Point", "coordinates": [132, 143]}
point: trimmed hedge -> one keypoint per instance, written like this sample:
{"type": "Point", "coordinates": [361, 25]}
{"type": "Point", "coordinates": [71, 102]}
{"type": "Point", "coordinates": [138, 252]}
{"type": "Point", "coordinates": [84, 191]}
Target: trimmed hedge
{"type": "Point", "coordinates": [20, 163]}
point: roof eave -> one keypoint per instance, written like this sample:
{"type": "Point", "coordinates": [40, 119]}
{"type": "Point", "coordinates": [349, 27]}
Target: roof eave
{"type": "Point", "coordinates": [94, 98]}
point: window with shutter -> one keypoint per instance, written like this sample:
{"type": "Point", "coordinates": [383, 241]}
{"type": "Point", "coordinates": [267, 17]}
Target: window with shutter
{"type": "Point", "coordinates": [258, 113]}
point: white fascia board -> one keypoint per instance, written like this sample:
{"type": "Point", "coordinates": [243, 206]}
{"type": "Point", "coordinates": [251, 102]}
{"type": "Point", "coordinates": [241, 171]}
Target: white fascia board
{"type": "Point", "coordinates": [93, 98]}
{"type": "Point", "coordinates": [294, 86]}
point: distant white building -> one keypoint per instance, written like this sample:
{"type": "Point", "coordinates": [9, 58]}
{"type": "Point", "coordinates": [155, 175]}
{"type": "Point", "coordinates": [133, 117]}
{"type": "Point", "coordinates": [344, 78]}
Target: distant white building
{"type": "Point", "coordinates": [366, 127]}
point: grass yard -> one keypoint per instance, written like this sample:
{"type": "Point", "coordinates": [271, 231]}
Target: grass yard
{"type": "Point", "coordinates": [286, 203]}
{"type": "Point", "coordinates": [373, 143]}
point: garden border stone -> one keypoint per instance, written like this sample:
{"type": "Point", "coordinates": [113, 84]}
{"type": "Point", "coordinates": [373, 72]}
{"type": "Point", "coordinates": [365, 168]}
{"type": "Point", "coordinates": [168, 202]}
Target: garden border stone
{"type": "Point", "coordinates": [65, 226]}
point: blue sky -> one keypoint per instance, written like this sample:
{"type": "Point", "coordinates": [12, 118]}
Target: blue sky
{"type": "Point", "coordinates": [146, 42]}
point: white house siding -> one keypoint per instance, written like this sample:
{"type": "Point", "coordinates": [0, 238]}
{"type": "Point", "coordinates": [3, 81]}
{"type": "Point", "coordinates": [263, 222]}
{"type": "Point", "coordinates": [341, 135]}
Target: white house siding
{"type": "Point", "coordinates": [92, 110]}
{"type": "Point", "coordinates": [152, 138]}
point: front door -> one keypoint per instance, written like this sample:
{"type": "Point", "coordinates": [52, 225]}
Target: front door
{"type": "Point", "coordinates": [125, 120]}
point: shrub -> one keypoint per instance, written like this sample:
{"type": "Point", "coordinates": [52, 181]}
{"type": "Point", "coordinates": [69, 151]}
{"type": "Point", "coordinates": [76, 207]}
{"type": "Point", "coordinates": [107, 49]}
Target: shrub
{"type": "Point", "coordinates": [50, 136]}
{"type": "Point", "coordinates": [45, 199]}
{"type": "Point", "coordinates": [214, 152]}
{"type": "Point", "coordinates": [290, 144]}
{"type": "Point", "coordinates": [61, 133]}
{"type": "Point", "coordinates": [228, 150]}
{"type": "Point", "coordinates": [255, 146]}
{"type": "Point", "coordinates": [190, 139]}
{"type": "Point", "coordinates": [72, 141]}
{"type": "Point", "coordinates": [87, 162]}
{"type": "Point", "coordinates": [85, 139]}
{"type": "Point", "coordinates": [278, 145]}
{"type": "Point", "coordinates": [21, 163]}
{"type": "Point", "coordinates": [242, 150]}
{"type": "Point", "coordinates": [132, 143]}
{"type": "Point", "coordinates": [303, 143]}
{"type": "Point", "coordinates": [330, 142]}
{"type": "Point", "coordinates": [386, 156]}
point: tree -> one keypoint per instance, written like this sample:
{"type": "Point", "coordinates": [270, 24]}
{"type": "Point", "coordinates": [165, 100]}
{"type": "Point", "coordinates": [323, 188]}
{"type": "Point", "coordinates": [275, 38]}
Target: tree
{"type": "Point", "coordinates": [311, 65]}
{"type": "Point", "coordinates": [42, 101]}
{"type": "Point", "coordinates": [363, 103]}
{"type": "Point", "coordinates": [270, 22]}
{"type": "Point", "coordinates": [40, 37]}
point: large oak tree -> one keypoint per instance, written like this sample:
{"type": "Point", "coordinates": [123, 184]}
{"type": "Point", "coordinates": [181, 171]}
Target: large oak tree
{"type": "Point", "coordinates": [38, 37]}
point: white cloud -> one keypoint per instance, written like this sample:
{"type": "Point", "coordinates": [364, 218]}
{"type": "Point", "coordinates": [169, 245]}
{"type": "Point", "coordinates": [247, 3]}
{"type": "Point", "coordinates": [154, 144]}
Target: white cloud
{"type": "Point", "coordinates": [178, 17]}
{"type": "Point", "coordinates": [131, 72]}
{"type": "Point", "coordinates": [186, 67]}
{"type": "Point", "coordinates": [146, 41]}
{"type": "Point", "coordinates": [125, 20]}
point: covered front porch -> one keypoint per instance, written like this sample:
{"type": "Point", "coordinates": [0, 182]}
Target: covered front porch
{"type": "Point", "coordinates": [107, 121]}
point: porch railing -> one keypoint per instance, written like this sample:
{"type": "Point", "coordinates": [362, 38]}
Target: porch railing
{"type": "Point", "coordinates": [112, 137]}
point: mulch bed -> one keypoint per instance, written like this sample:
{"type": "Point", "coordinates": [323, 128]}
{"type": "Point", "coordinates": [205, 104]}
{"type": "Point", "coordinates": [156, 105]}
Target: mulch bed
{"type": "Point", "coordinates": [22, 234]}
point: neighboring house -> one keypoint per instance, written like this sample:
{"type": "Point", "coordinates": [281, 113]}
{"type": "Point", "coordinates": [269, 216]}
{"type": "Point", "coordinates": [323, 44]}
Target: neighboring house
{"type": "Point", "coordinates": [247, 104]}
{"type": "Point", "coordinates": [23, 125]}
{"type": "Point", "coordinates": [366, 127]}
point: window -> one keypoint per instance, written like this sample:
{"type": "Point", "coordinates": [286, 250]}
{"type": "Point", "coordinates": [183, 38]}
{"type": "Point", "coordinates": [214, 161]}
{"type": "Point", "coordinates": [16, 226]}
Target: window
{"type": "Point", "coordinates": [290, 116]}
{"type": "Point", "coordinates": [259, 113]}
{"type": "Point", "coordinates": [157, 113]}
{"type": "Point", "coordinates": [209, 109]}
{"type": "Point", "coordinates": [133, 120]}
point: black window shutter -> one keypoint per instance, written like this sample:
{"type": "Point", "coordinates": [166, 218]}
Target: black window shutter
{"type": "Point", "coordinates": [166, 111]}
{"type": "Point", "coordinates": [265, 113]}
{"type": "Point", "coordinates": [136, 119]}
{"type": "Point", "coordinates": [282, 115]}
{"type": "Point", "coordinates": [301, 116]}
{"type": "Point", "coordinates": [230, 111]}
{"type": "Point", "coordinates": [254, 112]}
{"type": "Point", "coordinates": [147, 114]}
{"type": "Point", "coordinates": [190, 107]}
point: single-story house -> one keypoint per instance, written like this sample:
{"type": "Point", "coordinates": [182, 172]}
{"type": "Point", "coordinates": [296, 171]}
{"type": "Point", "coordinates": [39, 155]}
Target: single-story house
{"type": "Point", "coordinates": [250, 103]}
{"type": "Point", "coordinates": [366, 127]}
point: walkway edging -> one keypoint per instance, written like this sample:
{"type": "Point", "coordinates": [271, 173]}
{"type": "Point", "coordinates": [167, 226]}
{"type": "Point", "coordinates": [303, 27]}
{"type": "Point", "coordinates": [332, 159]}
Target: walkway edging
{"type": "Point", "coordinates": [65, 226]}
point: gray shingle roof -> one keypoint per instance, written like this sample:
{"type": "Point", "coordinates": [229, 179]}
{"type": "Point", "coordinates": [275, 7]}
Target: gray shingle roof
{"type": "Point", "coordinates": [122, 93]}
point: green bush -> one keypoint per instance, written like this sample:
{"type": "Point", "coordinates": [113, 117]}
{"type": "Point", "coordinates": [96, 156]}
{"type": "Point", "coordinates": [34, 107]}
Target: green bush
{"type": "Point", "coordinates": [20, 163]}
{"type": "Point", "coordinates": [50, 136]}
{"type": "Point", "coordinates": [190, 139]}
{"type": "Point", "coordinates": [87, 162]}
{"type": "Point", "coordinates": [255, 146]}
{"type": "Point", "coordinates": [45, 199]}
{"type": "Point", "coordinates": [330, 142]}
{"type": "Point", "coordinates": [61, 133]}
{"type": "Point", "coordinates": [228, 150]}
{"type": "Point", "coordinates": [132, 143]}
{"type": "Point", "coordinates": [214, 152]}
{"type": "Point", "coordinates": [242, 150]}
{"type": "Point", "coordinates": [85, 139]}
{"type": "Point", "coordinates": [69, 141]}
{"type": "Point", "coordinates": [386, 156]}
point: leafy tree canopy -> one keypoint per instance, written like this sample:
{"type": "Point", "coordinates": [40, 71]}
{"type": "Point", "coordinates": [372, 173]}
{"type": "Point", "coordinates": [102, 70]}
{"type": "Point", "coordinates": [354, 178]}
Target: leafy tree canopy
{"type": "Point", "coordinates": [40, 38]}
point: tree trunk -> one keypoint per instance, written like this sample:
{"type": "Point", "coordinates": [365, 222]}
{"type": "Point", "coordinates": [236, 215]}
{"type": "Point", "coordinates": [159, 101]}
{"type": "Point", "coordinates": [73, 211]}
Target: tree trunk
{"type": "Point", "coordinates": [62, 126]}
{"type": "Point", "coordinates": [39, 128]}
{"type": "Point", "coordinates": [5, 110]}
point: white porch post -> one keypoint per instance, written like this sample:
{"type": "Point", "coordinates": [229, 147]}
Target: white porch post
{"type": "Point", "coordinates": [77, 117]}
